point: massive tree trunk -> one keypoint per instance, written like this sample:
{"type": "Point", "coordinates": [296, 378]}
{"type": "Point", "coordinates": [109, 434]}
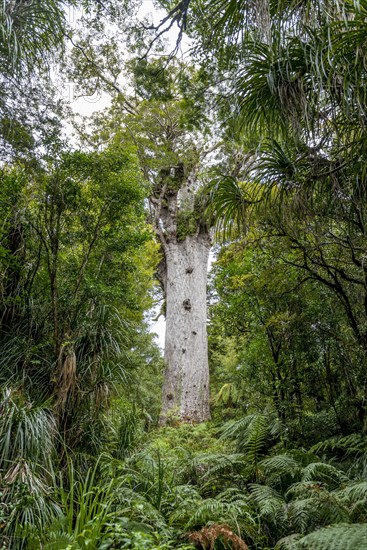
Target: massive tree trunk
{"type": "Point", "coordinates": [185, 243]}
{"type": "Point", "coordinates": [171, 153]}
{"type": "Point", "coordinates": [186, 380]}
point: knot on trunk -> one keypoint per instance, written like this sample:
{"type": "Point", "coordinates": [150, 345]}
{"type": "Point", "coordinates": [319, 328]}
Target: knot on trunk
{"type": "Point", "coordinates": [187, 305]}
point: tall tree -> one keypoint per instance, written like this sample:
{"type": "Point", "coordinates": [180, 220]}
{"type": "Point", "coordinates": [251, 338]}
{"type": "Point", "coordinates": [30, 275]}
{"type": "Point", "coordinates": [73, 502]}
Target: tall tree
{"type": "Point", "coordinates": [172, 150]}
{"type": "Point", "coordinates": [169, 125]}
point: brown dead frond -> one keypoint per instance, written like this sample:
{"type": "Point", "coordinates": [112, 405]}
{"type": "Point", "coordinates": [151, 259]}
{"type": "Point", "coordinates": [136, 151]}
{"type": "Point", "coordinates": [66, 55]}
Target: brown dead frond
{"type": "Point", "coordinates": [101, 396]}
{"type": "Point", "coordinates": [23, 473]}
{"type": "Point", "coordinates": [66, 379]}
{"type": "Point", "coordinates": [207, 536]}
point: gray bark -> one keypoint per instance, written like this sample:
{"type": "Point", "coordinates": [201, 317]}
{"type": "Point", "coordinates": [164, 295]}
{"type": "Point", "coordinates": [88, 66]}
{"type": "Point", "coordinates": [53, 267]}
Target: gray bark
{"type": "Point", "coordinates": [183, 275]}
{"type": "Point", "coordinates": [186, 380]}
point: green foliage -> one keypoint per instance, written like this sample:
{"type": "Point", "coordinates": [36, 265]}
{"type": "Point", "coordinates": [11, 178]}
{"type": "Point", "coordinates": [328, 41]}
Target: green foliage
{"type": "Point", "coordinates": [336, 537]}
{"type": "Point", "coordinates": [254, 435]}
{"type": "Point", "coordinates": [27, 431]}
{"type": "Point", "coordinates": [187, 224]}
{"type": "Point", "coordinates": [29, 33]}
{"type": "Point", "coordinates": [28, 438]}
{"type": "Point", "coordinates": [151, 79]}
{"type": "Point", "coordinates": [81, 463]}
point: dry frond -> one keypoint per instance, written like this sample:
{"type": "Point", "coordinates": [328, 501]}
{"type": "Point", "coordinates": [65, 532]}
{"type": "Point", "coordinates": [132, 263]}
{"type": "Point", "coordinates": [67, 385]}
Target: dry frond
{"type": "Point", "coordinates": [101, 396]}
{"type": "Point", "coordinates": [66, 374]}
{"type": "Point", "coordinates": [23, 473]}
{"type": "Point", "coordinates": [206, 537]}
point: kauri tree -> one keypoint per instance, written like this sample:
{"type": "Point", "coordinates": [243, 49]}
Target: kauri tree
{"type": "Point", "coordinates": [171, 132]}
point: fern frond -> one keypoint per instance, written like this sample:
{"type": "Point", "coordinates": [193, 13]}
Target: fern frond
{"type": "Point", "coordinates": [354, 492]}
{"type": "Point", "coordinates": [337, 537]}
{"type": "Point", "coordinates": [232, 494]}
{"type": "Point", "coordinates": [303, 513]}
{"type": "Point", "coordinates": [186, 492]}
{"type": "Point", "coordinates": [324, 473]}
{"type": "Point", "coordinates": [255, 443]}
{"type": "Point", "coordinates": [353, 445]}
{"type": "Point", "coordinates": [57, 540]}
{"type": "Point", "coordinates": [252, 433]}
{"type": "Point", "coordinates": [135, 506]}
{"type": "Point", "coordinates": [287, 543]}
{"type": "Point", "coordinates": [317, 509]}
{"type": "Point", "coordinates": [219, 510]}
{"type": "Point", "coordinates": [210, 509]}
{"type": "Point", "coordinates": [234, 428]}
{"type": "Point", "coordinates": [304, 489]}
{"type": "Point", "coordinates": [220, 463]}
{"type": "Point", "coordinates": [279, 466]}
{"type": "Point", "coordinates": [268, 500]}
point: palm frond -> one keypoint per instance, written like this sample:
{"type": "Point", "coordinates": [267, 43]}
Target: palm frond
{"type": "Point", "coordinates": [30, 32]}
{"type": "Point", "coordinates": [27, 431]}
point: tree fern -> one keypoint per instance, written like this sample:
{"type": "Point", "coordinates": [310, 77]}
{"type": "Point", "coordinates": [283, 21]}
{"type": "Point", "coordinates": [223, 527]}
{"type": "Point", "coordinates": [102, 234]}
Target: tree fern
{"type": "Point", "coordinates": [269, 501]}
{"type": "Point", "coordinates": [354, 496]}
{"type": "Point", "coordinates": [213, 510]}
{"type": "Point", "coordinates": [228, 507]}
{"type": "Point", "coordinates": [308, 513]}
{"type": "Point", "coordinates": [280, 469]}
{"type": "Point", "coordinates": [303, 514]}
{"type": "Point", "coordinates": [252, 434]}
{"type": "Point", "coordinates": [304, 489]}
{"type": "Point", "coordinates": [185, 508]}
{"type": "Point", "coordinates": [234, 428]}
{"type": "Point", "coordinates": [353, 444]}
{"type": "Point", "coordinates": [219, 467]}
{"type": "Point", "coordinates": [186, 492]}
{"type": "Point", "coordinates": [354, 491]}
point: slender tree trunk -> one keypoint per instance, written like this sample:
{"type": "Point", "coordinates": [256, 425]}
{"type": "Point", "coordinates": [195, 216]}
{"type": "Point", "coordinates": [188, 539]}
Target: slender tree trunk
{"type": "Point", "coordinates": [186, 381]}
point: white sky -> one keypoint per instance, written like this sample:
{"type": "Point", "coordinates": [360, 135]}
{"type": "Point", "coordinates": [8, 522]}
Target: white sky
{"type": "Point", "coordinates": [88, 104]}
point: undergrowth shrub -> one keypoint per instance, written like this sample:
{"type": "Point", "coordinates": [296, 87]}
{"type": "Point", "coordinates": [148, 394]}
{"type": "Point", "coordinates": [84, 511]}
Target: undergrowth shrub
{"type": "Point", "coordinates": [167, 490]}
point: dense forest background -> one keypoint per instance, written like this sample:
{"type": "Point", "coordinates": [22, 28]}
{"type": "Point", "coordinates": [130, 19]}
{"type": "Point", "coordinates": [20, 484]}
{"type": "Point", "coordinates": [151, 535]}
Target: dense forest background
{"type": "Point", "coordinates": [253, 144]}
